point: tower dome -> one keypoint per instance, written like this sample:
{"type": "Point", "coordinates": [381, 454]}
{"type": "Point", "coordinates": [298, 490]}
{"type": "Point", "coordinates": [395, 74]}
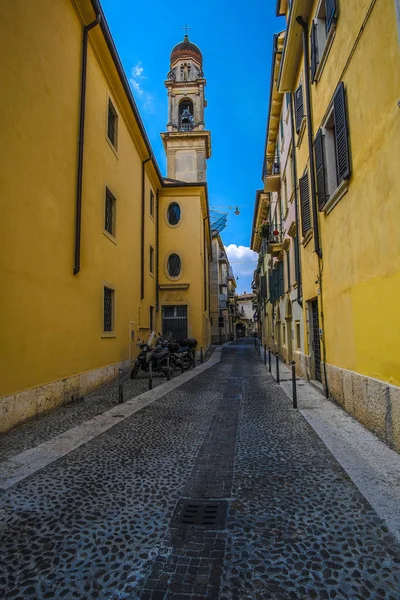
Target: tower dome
{"type": "Point", "coordinates": [186, 49]}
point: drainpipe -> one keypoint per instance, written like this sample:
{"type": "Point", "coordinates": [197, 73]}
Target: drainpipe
{"type": "Point", "coordinates": [317, 247]}
{"type": "Point", "coordinates": [296, 208]}
{"type": "Point", "coordinates": [142, 232]}
{"type": "Point", "coordinates": [157, 252]}
{"type": "Point", "coordinates": [78, 214]}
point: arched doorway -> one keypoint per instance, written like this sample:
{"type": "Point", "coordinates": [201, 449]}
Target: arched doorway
{"type": "Point", "coordinates": [240, 330]}
{"type": "Point", "coordinates": [289, 337]}
{"type": "Point", "coordinates": [278, 345]}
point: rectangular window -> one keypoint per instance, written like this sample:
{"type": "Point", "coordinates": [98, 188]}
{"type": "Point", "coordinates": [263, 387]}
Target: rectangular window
{"type": "Point", "coordinates": [108, 309]}
{"type": "Point", "coordinates": [112, 124]}
{"type": "Point", "coordinates": [151, 259]}
{"type": "Point", "coordinates": [321, 34]}
{"type": "Point", "coordinates": [298, 335]}
{"type": "Point", "coordinates": [299, 107]}
{"type": "Point", "coordinates": [305, 204]}
{"type": "Point", "coordinates": [296, 259]}
{"type": "Point", "coordinates": [331, 149]}
{"type": "Point", "coordinates": [288, 268]}
{"type": "Point", "coordinates": [110, 213]}
{"type": "Point", "coordinates": [151, 324]}
{"type": "Point", "coordinates": [151, 203]}
{"type": "Point", "coordinates": [281, 284]}
{"type": "Point", "coordinates": [174, 323]}
{"type": "Point", "coordinates": [284, 333]}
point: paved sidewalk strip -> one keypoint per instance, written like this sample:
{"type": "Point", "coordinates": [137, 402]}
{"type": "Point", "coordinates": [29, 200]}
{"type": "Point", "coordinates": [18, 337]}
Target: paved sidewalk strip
{"type": "Point", "coordinates": [25, 464]}
{"type": "Point", "coordinates": [371, 464]}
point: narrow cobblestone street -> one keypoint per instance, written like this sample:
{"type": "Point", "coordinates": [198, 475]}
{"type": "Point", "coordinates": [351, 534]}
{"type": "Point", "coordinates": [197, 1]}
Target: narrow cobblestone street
{"type": "Point", "coordinates": [278, 517]}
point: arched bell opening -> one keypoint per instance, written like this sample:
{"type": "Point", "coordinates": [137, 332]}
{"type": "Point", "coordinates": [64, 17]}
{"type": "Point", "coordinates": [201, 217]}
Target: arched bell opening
{"type": "Point", "coordinates": [186, 115]}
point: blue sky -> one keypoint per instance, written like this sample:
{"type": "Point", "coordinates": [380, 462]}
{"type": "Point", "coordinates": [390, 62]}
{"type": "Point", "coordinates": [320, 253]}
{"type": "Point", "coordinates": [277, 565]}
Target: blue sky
{"type": "Point", "coordinates": [235, 39]}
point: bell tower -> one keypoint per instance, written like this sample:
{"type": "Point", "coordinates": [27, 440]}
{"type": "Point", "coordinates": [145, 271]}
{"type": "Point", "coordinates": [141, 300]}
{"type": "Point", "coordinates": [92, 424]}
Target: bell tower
{"type": "Point", "coordinates": [186, 142]}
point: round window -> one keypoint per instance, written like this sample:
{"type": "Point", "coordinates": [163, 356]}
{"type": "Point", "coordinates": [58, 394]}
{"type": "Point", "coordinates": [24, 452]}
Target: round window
{"type": "Point", "coordinates": [174, 265]}
{"type": "Point", "coordinates": [174, 213]}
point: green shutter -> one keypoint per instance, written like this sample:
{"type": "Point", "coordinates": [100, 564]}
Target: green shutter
{"type": "Point", "coordinates": [319, 153]}
{"type": "Point", "coordinates": [305, 204]}
{"type": "Point", "coordinates": [331, 8]}
{"type": "Point", "coordinates": [299, 106]}
{"type": "Point", "coordinates": [314, 51]}
{"type": "Point", "coordinates": [341, 134]}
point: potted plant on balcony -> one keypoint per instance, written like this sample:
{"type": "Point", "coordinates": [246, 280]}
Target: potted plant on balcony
{"type": "Point", "coordinates": [264, 229]}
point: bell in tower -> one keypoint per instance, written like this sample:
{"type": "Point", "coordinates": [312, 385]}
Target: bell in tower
{"type": "Point", "coordinates": [186, 142]}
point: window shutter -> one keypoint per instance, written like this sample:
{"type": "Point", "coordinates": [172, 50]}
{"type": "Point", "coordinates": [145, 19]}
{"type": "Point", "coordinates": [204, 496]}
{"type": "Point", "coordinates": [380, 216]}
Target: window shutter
{"type": "Point", "coordinates": [341, 134]}
{"type": "Point", "coordinates": [288, 269]}
{"type": "Point", "coordinates": [296, 259]}
{"type": "Point", "coordinates": [305, 204]}
{"type": "Point", "coordinates": [299, 106]}
{"type": "Point", "coordinates": [320, 169]}
{"type": "Point", "coordinates": [281, 286]}
{"type": "Point", "coordinates": [331, 7]}
{"type": "Point", "coordinates": [314, 51]}
{"type": "Point", "coordinates": [263, 287]}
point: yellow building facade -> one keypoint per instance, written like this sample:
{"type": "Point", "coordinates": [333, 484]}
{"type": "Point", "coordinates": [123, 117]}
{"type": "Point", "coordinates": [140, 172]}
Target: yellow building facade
{"type": "Point", "coordinates": [344, 83]}
{"type": "Point", "coordinates": [86, 230]}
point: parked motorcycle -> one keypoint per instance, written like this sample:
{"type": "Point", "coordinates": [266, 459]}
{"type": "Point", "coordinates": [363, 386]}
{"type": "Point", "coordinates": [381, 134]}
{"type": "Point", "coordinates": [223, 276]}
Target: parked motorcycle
{"type": "Point", "coordinates": [160, 358]}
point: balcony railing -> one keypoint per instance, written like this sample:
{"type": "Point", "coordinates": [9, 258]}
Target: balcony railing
{"type": "Point", "coordinates": [272, 174]}
{"type": "Point", "coordinates": [273, 241]}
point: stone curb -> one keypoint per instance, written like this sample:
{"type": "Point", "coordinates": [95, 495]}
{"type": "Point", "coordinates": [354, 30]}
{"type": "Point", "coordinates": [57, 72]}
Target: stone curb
{"type": "Point", "coordinates": [30, 461]}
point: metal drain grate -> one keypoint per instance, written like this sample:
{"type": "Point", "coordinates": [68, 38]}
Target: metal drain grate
{"type": "Point", "coordinates": [207, 514]}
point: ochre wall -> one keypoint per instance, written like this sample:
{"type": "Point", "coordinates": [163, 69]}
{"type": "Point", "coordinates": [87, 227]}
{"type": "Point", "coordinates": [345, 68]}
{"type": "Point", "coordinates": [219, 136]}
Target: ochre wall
{"type": "Point", "coordinates": [187, 240]}
{"type": "Point", "coordinates": [52, 320]}
{"type": "Point", "coordinates": [361, 235]}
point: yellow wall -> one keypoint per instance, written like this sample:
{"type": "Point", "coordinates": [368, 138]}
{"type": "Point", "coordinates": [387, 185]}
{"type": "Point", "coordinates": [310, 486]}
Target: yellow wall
{"type": "Point", "coordinates": [187, 240]}
{"type": "Point", "coordinates": [52, 321]}
{"type": "Point", "coordinates": [360, 236]}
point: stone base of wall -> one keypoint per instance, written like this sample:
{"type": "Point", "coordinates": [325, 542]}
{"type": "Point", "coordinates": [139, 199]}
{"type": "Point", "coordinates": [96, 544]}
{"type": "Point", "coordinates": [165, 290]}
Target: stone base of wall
{"type": "Point", "coordinates": [374, 403]}
{"type": "Point", "coordinates": [28, 404]}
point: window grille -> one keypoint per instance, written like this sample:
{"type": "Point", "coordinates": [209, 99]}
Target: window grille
{"type": "Point", "coordinates": [174, 322]}
{"type": "Point", "coordinates": [151, 259]}
{"type": "Point", "coordinates": [109, 220]}
{"type": "Point", "coordinates": [112, 124]}
{"type": "Point", "coordinates": [174, 265]}
{"type": "Point", "coordinates": [151, 203]}
{"type": "Point", "coordinates": [174, 213]}
{"type": "Point", "coordinates": [108, 309]}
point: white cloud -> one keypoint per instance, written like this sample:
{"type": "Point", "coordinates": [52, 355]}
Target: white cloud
{"type": "Point", "coordinates": [242, 259]}
{"type": "Point", "coordinates": [136, 79]}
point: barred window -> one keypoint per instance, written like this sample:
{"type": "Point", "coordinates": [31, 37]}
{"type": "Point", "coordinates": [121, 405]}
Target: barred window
{"type": "Point", "coordinates": [151, 203]}
{"type": "Point", "coordinates": [108, 309]}
{"type": "Point", "coordinates": [112, 124]}
{"type": "Point", "coordinates": [109, 216]}
{"type": "Point", "coordinates": [151, 259]}
{"type": "Point", "coordinates": [174, 265]}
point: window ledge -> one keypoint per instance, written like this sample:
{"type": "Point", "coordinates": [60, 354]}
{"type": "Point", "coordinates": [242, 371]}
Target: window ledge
{"type": "Point", "coordinates": [110, 237]}
{"type": "Point", "coordinates": [307, 237]}
{"type": "Point", "coordinates": [337, 195]}
{"type": "Point", "coordinates": [301, 132]}
{"type": "Point", "coordinates": [327, 47]}
{"type": "Point", "coordinates": [108, 334]}
{"type": "Point", "coordinates": [113, 148]}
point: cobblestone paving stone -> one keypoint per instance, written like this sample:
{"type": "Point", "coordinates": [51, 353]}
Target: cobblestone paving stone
{"type": "Point", "coordinates": [48, 425]}
{"type": "Point", "coordinates": [97, 523]}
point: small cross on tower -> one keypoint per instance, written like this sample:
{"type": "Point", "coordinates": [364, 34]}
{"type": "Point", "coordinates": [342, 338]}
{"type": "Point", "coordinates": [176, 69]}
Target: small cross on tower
{"type": "Point", "coordinates": [187, 28]}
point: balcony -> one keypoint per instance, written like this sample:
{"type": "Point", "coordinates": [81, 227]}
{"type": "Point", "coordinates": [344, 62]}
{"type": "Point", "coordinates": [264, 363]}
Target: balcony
{"type": "Point", "coordinates": [272, 180]}
{"type": "Point", "coordinates": [274, 241]}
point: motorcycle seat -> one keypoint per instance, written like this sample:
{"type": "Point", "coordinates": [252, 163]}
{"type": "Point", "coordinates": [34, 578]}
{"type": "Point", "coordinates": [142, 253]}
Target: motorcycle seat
{"type": "Point", "coordinates": [160, 353]}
